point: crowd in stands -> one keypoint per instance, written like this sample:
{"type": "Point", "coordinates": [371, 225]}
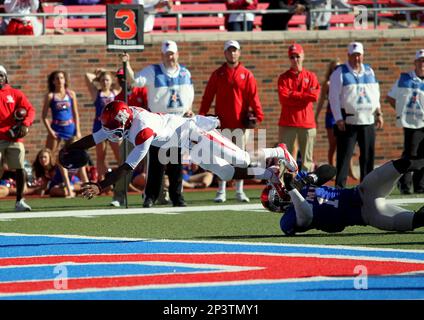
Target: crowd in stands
{"type": "Point", "coordinates": [350, 93]}
{"type": "Point", "coordinates": [31, 25]}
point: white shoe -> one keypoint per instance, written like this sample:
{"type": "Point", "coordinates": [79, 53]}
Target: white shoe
{"type": "Point", "coordinates": [220, 197]}
{"type": "Point", "coordinates": [115, 203]}
{"type": "Point", "coordinates": [290, 162]}
{"type": "Point", "coordinates": [241, 197]}
{"type": "Point", "coordinates": [22, 206]}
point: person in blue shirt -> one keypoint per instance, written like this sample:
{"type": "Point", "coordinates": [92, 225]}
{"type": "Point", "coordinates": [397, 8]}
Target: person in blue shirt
{"type": "Point", "coordinates": [311, 205]}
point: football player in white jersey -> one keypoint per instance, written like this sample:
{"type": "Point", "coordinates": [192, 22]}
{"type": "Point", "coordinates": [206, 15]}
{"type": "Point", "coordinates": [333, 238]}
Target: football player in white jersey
{"type": "Point", "coordinates": [198, 134]}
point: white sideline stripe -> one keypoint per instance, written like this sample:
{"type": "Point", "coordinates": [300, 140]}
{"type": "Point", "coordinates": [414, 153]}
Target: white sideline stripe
{"type": "Point", "coordinates": [164, 210]}
{"type": "Point", "coordinates": [113, 211]}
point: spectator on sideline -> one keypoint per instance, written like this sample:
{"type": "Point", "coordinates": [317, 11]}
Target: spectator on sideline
{"type": "Point", "coordinates": [298, 89]}
{"type": "Point", "coordinates": [64, 109]}
{"type": "Point", "coordinates": [355, 103]}
{"type": "Point", "coordinates": [196, 177]}
{"type": "Point", "coordinates": [12, 130]}
{"type": "Point", "coordinates": [137, 96]}
{"type": "Point", "coordinates": [234, 89]}
{"type": "Point", "coordinates": [280, 21]}
{"type": "Point", "coordinates": [236, 20]}
{"type": "Point", "coordinates": [100, 86]}
{"type": "Point", "coordinates": [63, 104]}
{"type": "Point", "coordinates": [407, 98]}
{"type": "Point", "coordinates": [329, 119]}
{"type": "Point", "coordinates": [169, 90]}
{"type": "Point", "coordinates": [24, 25]}
{"type": "Point", "coordinates": [51, 178]}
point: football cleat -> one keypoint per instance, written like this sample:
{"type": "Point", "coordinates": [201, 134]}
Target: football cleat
{"type": "Point", "coordinates": [241, 197]}
{"type": "Point", "coordinates": [220, 197]}
{"type": "Point", "coordinates": [21, 205]}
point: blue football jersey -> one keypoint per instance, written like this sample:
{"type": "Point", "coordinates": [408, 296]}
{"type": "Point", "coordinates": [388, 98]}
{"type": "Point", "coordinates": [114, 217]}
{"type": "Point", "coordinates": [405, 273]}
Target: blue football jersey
{"type": "Point", "coordinates": [333, 210]}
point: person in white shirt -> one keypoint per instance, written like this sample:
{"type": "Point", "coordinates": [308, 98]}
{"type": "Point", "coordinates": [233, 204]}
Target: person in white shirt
{"type": "Point", "coordinates": [407, 98]}
{"type": "Point", "coordinates": [354, 96]}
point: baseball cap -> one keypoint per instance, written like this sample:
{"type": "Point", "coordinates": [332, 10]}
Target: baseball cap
{"type": "Point", "coordinates": [295, 48]}
{"type": "Point", "coordinates": [419, 54]}
{"type": "Point", "coordinates": [120, 72]}
{"type": "Point", "coordinates": [3, 70]}
{"type": "Point", "coordinates": [355, 47]}
{"type": "Point", "coordinates": [169, 46]}
{"type": "Point", "coordinates": [231, 43]}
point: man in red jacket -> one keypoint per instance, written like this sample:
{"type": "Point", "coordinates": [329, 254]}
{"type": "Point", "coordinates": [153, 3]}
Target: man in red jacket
{"type": "Point", "coordinates": [16, 116]}
{"type": "Point", "coordinates": [236, 96]}
{"type": "Point", "coordinates": [298, 89]}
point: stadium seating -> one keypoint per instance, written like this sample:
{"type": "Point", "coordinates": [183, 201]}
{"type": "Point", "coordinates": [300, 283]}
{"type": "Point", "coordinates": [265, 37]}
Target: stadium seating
{"type": "Point", "coordinates": [202, 22]}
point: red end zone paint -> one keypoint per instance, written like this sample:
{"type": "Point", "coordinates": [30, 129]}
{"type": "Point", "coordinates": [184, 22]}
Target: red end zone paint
{"type": "Point", "coordinates": [272, 267]}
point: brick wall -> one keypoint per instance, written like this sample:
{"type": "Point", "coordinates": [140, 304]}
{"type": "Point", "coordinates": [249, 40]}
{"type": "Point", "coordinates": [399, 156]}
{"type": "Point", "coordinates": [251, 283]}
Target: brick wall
{"type": "Point", "coordinates": [30, 60]}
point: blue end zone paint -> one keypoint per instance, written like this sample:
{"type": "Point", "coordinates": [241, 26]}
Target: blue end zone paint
{"type": "Point", "coordinates": [379, 287]}
{"type": "Point", "coordinates": [24, 246]}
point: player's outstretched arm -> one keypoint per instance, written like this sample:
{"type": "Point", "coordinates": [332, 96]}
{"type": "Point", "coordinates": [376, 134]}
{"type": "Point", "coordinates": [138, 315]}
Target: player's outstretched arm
{"type": "Point", "coordinates": [85, 143]}
{"type": "Point", "coordinates": [92, 189]}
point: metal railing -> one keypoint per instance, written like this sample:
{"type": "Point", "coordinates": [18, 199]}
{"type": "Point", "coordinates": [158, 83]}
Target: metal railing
{"type": "Point", "coordinates": [370, 13]}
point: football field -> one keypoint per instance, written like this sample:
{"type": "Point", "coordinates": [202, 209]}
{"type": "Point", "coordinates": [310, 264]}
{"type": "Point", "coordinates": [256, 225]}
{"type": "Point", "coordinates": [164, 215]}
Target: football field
{"type": "Point", "coordinates": [204, 251]}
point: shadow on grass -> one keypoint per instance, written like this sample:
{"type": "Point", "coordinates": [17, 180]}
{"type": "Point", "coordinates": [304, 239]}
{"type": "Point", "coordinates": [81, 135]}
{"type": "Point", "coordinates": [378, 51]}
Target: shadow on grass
{"type": "Point", "coordinates": [323, 235]}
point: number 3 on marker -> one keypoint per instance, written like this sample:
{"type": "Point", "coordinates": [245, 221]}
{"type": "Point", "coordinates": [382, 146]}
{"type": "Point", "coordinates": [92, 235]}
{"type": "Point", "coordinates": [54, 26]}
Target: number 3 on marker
{"type": "Point", "coordinates": [129, 22]}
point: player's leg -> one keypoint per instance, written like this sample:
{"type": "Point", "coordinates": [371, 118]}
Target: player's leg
{"type": "Point", "coordinates": [377, 186]}
{"type": "Point", "coordinates": [15, 157]}
{"type": "Point", "coordinates": [213, 143]}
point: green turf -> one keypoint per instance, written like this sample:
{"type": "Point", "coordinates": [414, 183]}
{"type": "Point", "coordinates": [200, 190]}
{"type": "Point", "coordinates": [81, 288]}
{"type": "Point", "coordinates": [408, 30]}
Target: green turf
{"type": "Point", "coordinates": [217, 225]}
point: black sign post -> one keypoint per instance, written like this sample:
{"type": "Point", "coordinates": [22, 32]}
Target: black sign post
{"type": "Point", "coordinates": [125, 33]}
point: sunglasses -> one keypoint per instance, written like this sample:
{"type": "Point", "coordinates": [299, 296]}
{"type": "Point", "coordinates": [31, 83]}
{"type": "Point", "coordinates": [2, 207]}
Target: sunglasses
{"type": "Point", "coordinates": [294, 57]}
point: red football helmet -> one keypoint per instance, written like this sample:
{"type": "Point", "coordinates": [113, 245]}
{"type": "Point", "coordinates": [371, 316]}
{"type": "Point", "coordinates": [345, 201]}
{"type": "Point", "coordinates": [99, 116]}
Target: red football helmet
{"type": "Point", "coordinates": [116, 119]}
{"type": "Point", "coordinates": [272, 200]}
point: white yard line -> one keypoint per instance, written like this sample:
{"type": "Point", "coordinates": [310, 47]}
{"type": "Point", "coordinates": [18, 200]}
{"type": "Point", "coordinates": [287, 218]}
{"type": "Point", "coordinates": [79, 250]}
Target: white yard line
{"type": "Point", "coordinates": [108, 211]}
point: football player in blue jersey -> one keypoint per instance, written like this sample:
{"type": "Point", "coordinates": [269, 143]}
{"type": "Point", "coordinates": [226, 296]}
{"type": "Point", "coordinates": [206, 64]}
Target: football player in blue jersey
{"type": "Point", "coordinates": [308, 204]}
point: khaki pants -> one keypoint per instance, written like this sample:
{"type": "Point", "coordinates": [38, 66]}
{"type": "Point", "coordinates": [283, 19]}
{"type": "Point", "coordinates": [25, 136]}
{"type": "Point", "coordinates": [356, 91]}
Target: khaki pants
{"type": "Point", "coordinates": [306, 140]}
{"type": "Point", "coordinates": [12, 154]}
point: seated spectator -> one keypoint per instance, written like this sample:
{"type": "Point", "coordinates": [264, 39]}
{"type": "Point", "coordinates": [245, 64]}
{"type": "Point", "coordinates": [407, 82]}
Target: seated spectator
{"type": "Point", "coordinates": [196, 177]}
{"type": "Point", "coordinates": [321, 20]}
{"type": "Point", "coordinates": [236, 20]}
{"type": "Point", "coordinates": [25, 25]}
{"type": "Point", "coordinates": [280, 21]}
{"type": "Point", "coordinates": [52, 179]}
{"type": "Point", "coordinates": [44, 169]}
{"type": "Point", "coordinates": [81, 2]}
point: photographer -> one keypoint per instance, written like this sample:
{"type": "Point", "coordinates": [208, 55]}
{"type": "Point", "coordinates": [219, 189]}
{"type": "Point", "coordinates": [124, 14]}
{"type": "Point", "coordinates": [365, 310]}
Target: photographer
{"type": "Point", "coordinates": [16, 116]}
